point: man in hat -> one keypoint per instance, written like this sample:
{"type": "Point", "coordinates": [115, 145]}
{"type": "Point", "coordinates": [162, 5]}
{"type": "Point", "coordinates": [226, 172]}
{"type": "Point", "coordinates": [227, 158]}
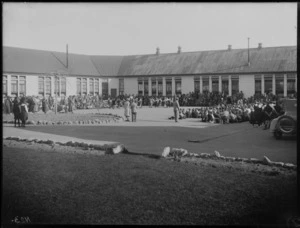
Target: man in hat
{"type": "Point", "coordinates": [176, 108]}
{"type": "Point", "coordinates": [133, 110]}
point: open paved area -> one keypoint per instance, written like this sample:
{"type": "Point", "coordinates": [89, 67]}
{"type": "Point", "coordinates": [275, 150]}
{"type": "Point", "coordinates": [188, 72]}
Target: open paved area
{"type": "Point", "coordinates": [154, 131]}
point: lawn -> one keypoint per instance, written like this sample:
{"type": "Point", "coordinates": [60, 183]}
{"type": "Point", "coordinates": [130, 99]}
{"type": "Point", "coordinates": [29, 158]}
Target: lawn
{"type": "Point", "coordinates": [64, 188]}
{"type": "Point", "coordinates": [236, 140]}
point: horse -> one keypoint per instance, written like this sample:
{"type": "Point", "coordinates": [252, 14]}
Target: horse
{"type": "Point", "coordinates": [269, 114]}
{"type": "Point", "coordinates": [257, 116]}
{"type": "Point", "coordinates": [17, 112]}
{"type": "Point", "coordinates": [23, 114]}
{"type": "Point", "coordinates": [263, 116]}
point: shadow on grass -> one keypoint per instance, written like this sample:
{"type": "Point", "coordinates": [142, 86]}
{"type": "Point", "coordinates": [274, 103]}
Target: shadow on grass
{"type": "Point", "coordinates": [213, 138]}
{"type": "Point", "coordinates": [153, 156]}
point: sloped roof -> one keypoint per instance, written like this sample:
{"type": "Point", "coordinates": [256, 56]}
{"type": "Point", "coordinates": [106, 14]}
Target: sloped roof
{"type": "Point", "coordinates": [273, 59]}
{"type": "Point", "coordinates": [107, 65]}
{"type": "Point", "coordinates": [270, 59]}
{"type": "Point", "coordinates": [44, 62]}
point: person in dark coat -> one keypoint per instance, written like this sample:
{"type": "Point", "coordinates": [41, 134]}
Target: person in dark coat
{"type": "Point", "coordinates": [24, 111]}
{"type": "Point", "coordinates": [35, 104]}
{"type": "Point", "coordinates": [7, 105]}
{"type": "Point", "coordinates": [176, 109]}
{"type": "Point", "coordinates": [30, 103]}
{"type": "Point", "coordinates": [45, 105]}
{"type": "Point", "coordinates": [70, 103]}
{"type": "Point", "coordinates": [17, 111]}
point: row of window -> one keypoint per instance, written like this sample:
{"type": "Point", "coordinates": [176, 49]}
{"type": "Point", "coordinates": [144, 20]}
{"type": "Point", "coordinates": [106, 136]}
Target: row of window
{"type": "Point", "coordinates": [18, 85]}
{"type": "Point", "coordinates": [82, 86]}
{"type": "Point", "coordinates": [279, 84]}
{"type": "Point", "coordinates": [157, 86]}
{"type": "Point", "coordinates": [45, 86]}
{"type": "Point", "coordinates": [215, 84]}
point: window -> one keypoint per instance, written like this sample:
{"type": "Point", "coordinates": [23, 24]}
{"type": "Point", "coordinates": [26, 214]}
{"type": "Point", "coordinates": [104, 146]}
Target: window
{"type": "Point", "coordinates": [45, 86]}
{"type": "Point", "coordinates": [140, 87]}
{"type": "Point", "coordinates": [4, 85]}
{"type": "Point", "coordinates": [105, 90]}
{"type": "Point", "coordinates": [196, 85]}
{"type": "Point", "coordinates": [48, 86]}
{"type": "Point", "coordinates": [205, 84]}
{"type": "Point", "coordinates": [159, 87]}
{"type": "Point", "coordinates": [215, 84]}
{"type": "Point", "coordinates": [84, 86]}
{"type": "Point", "coordinates": [79, 86]}
{"type": "Point", "coordinates": [146, 87]}
{"type": "Point", "coordinates": [235, 84]}
{"type": "Point", "coordinates": [97, 86]}
{"type": "Point", "coordinates": [14, 85]}
{"type": "Point", "coordinates": [291, 84]}
{"type": "Point", "coordinates": [60, 86]}
{"type": "Point", "coordinates": [91, 86]}
{"type": "Point", "coordinates": [279, 84]}
{"type": "Point", "coordinates": [268, 83]}
{"type": "Point", "coordinates": [225, 83]}
{"type": "Point", "coordinates": [121, 86]}
{"type": "Point", "coordinates": [169, 87]}
{"type": "Point", "coordinates": [257, 85]}
{"type": "Point", "coordinates": [41, 85]}
{"type": "Point", "coordinates": [63, 86]}
{"type": "Point", "coordinates": [22, 83]}
{"type": "Point", "coordinates": [56, 86]}
{"type": "Point", "coordinates": [178, 86]}
{"type": "Point", "coordinates": [153, 86]}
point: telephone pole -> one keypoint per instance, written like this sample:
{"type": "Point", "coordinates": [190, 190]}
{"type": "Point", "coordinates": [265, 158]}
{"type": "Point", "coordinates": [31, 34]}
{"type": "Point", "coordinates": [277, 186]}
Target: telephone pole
{"type": "Point", "coordinates": [248, 53]}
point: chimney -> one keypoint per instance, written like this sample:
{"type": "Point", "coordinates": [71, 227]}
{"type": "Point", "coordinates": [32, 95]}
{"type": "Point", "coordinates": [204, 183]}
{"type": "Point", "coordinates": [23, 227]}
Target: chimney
{"type": "Point", "coordinates": [179, 50]}
{"type": "Point", "coordinates": [259, 45]}
{"type": "Point", "coordinates": [229, 47]}
{"type": "Point", "coordinates": [157, 51]}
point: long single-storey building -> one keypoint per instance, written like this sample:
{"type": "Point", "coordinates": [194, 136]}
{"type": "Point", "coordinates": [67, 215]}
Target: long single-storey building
{"type": "Point", "coordinates": [255, 70]}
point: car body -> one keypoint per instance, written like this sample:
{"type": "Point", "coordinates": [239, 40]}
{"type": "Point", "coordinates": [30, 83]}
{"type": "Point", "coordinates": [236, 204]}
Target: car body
{"type": "Point", "coordinates": [286, 123]}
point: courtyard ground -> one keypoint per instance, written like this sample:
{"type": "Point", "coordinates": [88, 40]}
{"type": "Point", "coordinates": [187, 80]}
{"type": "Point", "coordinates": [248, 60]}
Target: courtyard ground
{"type": "Point", "coordinates": [153, 131]}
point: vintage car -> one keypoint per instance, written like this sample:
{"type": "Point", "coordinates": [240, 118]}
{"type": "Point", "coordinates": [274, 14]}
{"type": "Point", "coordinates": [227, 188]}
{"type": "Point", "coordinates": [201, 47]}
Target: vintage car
{"type": "Point", "coordinates": [286, 123]}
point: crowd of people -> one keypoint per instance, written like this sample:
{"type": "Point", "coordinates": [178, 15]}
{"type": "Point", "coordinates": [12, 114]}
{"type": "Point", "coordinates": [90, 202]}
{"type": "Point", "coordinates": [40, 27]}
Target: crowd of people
{"type": "Point", "coordinates": [192, 99]}
{"type": "Point", "coordinates": [231, 113]}
{"type": "Point", "coordinates": [209, 106]}
{"type": "Point", "coordinates": [64, 104]}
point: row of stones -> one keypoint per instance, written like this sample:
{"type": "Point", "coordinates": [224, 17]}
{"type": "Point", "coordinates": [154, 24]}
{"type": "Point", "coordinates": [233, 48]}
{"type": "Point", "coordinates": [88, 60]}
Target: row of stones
{"type": "Point", "coordinates": [44, 122]}
{"type": "Point", "coordinates": [179, 152]}
{"type": "Point", "coordinates": [109, 149]}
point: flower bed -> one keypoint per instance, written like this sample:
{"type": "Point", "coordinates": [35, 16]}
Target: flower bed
{"type": "Point", "coordinates": [66, 118]}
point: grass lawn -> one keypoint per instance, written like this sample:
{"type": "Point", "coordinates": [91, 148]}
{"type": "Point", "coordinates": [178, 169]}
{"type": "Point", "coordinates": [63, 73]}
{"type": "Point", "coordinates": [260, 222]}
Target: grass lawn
{"type": "Point", "coordinates": [63, 188]}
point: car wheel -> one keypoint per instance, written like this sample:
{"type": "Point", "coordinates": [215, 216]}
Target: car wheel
{"type": "Point", "coordinates": [277, 134]}
{"type": "Point", "coordinates": [286, 124]}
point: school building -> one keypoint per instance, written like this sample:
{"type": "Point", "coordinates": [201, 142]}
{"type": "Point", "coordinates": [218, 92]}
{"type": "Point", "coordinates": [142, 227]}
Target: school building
{"type": "Point", "coordinates": [254, 70]}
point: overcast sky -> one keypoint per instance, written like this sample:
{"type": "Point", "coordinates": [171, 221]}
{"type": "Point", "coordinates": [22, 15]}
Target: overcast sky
{"type": "Point", "coordinates": [139, 28]}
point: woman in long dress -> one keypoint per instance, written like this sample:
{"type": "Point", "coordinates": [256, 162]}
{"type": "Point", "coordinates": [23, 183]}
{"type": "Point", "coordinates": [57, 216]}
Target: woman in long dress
{"type": "Point", "coordinates": [127, 109]}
